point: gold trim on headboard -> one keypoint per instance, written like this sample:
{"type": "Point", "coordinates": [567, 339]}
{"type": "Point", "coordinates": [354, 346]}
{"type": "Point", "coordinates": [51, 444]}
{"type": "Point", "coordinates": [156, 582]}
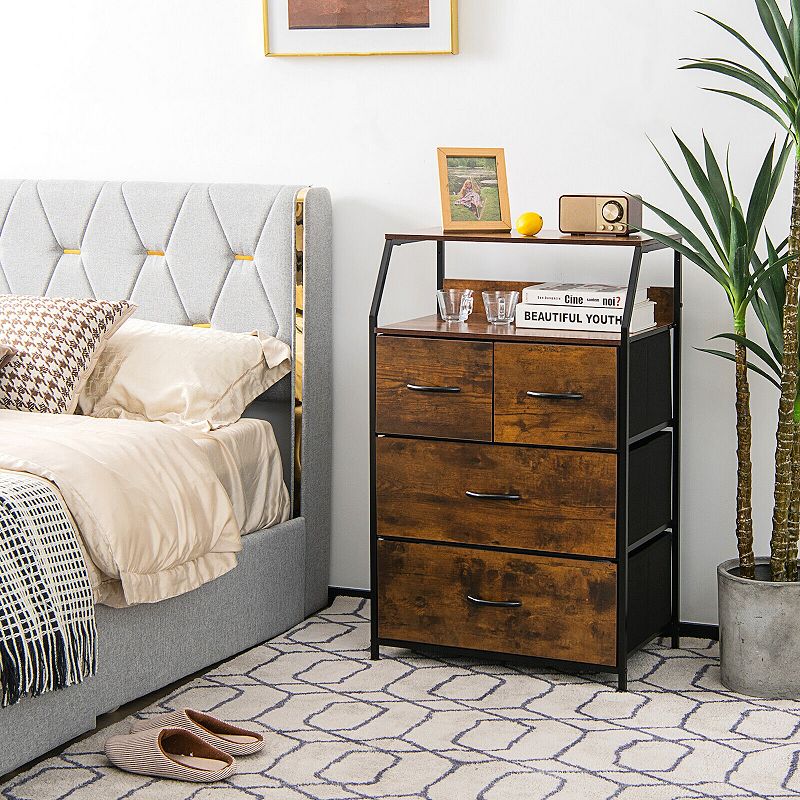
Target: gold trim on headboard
{"type": "Point", "coordinates": [299, 348]}
{"type": "Point", "coordinates": [71, 252]}
{"type": "Point", "coordinates": [155, 252]}
{"type": "Point", "coordinates": [242, 257]}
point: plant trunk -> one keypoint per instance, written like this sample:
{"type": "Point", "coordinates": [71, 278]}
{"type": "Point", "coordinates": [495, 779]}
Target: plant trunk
{"type": "Point", "coordinates": [744, 470]}
{"type": "Point", "coordinates": [785, 435]}
{"type": "Point", "coordinates": [794, 503]}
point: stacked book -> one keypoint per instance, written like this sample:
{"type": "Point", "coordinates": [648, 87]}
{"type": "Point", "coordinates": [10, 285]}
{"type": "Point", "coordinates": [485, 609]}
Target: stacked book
{"type": "Point", "coordinates": [582, 307]}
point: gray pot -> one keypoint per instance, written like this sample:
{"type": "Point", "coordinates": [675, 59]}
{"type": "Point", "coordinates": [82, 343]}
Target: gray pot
{"type": "Point", "coordinates": [759, 637]}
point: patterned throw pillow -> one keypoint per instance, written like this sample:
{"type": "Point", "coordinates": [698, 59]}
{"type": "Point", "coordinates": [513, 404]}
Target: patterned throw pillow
{"type": "Point", "coordinates": [57, 341]}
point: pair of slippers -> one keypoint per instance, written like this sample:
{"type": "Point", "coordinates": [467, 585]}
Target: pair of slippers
{"type": "Point", "coordinates": [184, 745]}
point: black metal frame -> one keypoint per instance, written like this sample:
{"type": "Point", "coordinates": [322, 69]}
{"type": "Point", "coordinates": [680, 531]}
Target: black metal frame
{"type": "Point", "coordinates": [624, 443]}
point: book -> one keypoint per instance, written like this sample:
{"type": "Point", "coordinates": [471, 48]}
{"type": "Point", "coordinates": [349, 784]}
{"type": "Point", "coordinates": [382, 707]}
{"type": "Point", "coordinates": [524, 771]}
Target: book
{"type": "Point", "coordinates": [565, 317]}
{"type": "Point", "coordinates": [595, 295]}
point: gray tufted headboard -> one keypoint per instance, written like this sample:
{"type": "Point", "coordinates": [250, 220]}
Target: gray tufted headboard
{"type": "Point", "coordinates": [225, 254]}
{"type": "Point", "coordinates": [185, 253]}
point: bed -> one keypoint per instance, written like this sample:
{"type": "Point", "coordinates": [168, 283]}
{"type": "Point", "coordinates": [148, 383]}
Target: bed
{"type": "Point", "coordinates": [175, 250]}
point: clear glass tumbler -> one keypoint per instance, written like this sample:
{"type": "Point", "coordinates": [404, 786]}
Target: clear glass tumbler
{"type": "Point", "coordinates": [500, 306]}
{"type": "Point", "coordinates": [455, 305]}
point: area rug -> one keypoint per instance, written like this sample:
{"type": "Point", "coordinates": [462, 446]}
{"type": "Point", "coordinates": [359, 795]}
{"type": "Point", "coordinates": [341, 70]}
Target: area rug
{"type": "Point", "coordinates": [338, 726]}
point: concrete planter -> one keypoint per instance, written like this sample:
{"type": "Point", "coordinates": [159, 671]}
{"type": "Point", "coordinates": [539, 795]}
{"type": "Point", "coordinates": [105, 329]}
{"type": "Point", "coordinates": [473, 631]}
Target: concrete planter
{"type": "Point", "coordinates": [759, 637]}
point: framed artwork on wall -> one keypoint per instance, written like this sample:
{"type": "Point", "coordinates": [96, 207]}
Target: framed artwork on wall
{"type": "Point", "coordinates": [474, 189]}
{"type": "Point", "coordinates": [360, 27]}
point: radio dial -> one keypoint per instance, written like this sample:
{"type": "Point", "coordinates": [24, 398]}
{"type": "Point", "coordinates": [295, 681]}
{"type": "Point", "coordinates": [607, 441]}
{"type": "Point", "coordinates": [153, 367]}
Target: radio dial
{"type": "Point", "coordinates": [613, 211]}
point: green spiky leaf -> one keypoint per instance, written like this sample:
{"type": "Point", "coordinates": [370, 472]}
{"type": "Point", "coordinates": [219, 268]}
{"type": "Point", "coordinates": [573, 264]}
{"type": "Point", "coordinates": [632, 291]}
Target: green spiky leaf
{"type": "Point", "coordinates": [753, 347]}
{"type": "Point", "coordinates": [750, 365]}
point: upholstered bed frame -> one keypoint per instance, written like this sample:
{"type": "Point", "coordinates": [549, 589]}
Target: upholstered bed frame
{"type": "Point", "coordinates": [240, 257]}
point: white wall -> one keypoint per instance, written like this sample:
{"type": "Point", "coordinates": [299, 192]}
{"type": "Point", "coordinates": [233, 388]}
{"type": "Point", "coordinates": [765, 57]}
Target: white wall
{"type": "Point", "coordinates": [179, 90]}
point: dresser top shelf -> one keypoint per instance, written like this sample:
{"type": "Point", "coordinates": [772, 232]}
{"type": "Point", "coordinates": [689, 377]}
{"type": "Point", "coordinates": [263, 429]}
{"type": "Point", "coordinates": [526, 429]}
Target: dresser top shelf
{"type": "Point", "coordinates": [544, 237]}
{"type": "Point", "coordinates": [478, 328]}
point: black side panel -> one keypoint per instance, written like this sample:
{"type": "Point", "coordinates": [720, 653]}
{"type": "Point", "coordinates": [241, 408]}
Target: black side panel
{"type": "Point", "coordinates": [649, 506]}
{"type": "Point", "coordinates": [650, 382]}
{"type": "Point", "coordinates": [649, 592]}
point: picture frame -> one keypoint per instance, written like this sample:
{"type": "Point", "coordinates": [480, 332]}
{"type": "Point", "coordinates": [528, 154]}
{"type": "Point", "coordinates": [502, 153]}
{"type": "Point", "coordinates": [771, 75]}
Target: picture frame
{"type": "Point", "coordinates": [474, 190]}
{"type": "Point", "coordinates": [298, 28]}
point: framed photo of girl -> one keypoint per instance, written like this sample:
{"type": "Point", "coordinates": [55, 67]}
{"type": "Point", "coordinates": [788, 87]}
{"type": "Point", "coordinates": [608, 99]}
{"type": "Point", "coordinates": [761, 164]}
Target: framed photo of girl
{"type": "Point", "coordinates": [474, 190]}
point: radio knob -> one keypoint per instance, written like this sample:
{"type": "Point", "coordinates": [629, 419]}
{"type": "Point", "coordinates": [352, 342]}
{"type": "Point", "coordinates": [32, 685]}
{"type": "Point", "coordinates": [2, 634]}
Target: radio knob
{"type": "Point", "coordinates": [613, 211]}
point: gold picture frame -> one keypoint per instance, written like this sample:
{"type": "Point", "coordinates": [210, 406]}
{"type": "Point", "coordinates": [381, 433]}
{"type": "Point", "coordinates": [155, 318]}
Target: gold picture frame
{"type": "Point", "coordinates": [467, 180]}
{"type": "Point", "coordinates": [453, 49]}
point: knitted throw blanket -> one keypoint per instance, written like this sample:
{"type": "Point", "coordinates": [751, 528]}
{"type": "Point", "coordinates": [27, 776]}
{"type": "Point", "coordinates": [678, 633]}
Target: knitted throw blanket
{"type": "Point", "coordinates": [47, 624]}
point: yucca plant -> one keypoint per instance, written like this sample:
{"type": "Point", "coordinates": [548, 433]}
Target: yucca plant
{"type": "Point", "coordinates": [769, 306]}
{"type": "Point", "coordinates": [774, 89]}
{"type": "Point", "coordinates": [725, 251]}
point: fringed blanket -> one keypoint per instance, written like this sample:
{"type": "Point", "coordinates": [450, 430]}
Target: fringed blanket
{"type": "Point", "coordinates": [47, 624]}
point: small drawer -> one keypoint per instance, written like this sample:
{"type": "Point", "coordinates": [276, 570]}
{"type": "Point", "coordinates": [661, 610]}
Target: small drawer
{"type": "Point", "coordinates": [434, 387]}
{"type": "Point", "coordinates": [560, 395]}
{"type": "Point", "coordinates": [557, 608]}
{"type": "Point", "coordinates": [561, 501]}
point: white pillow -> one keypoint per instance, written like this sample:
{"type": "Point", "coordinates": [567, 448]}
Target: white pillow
{"type": "Point", "coordinates": [179, 374]}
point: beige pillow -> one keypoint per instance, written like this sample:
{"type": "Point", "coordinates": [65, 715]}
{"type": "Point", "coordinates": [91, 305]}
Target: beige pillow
{"type": "Point", "coordinates": [57, 342]}
{"type": "Point", "coordinates": [6, 354]}
{"type": "Point", "coordinates": [179, 374]}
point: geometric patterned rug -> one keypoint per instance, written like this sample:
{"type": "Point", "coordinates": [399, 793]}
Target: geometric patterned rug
{"type": "Point", "coordinates": [339, 726]}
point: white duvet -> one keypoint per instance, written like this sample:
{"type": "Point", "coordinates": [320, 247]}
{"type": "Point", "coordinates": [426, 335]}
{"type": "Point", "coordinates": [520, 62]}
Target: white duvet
{"type": "Point", "coordinates": [153, 519]}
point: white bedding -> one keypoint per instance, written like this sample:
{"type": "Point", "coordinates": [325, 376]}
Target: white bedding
{"type": "Point", "coordinates": [246, 459]}
{"type": "Point", "coordinates": [158, 511]}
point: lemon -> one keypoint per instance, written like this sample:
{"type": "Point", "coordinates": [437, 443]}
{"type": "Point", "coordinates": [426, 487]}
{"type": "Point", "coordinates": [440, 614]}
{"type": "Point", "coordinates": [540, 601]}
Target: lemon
{"type": "Point", "coordinates": [530, 223]}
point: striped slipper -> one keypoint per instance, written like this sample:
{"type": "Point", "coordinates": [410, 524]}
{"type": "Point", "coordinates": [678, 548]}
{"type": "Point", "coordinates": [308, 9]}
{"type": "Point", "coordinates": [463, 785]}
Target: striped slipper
{"type": "Point", "coordinates": [219, 734]}
{"type": "Point", "coordinates": [170, 753]}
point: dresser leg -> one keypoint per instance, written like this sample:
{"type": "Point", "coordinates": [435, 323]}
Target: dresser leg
{"type": "Point", "coordinates": [374, 652]}
{"type": "Point", "coordinates": [622, 679]}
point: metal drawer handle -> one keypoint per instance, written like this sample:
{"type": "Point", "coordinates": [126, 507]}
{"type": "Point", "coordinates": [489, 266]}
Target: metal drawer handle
{"type": "Point", "coordinates": [436, 389]}
{"type": "Point", "coordinates": [494, 603]}
{"type": "Point", "coordinates": [556, 395]}
{"type": "Point", "coordinates": [491, 496]}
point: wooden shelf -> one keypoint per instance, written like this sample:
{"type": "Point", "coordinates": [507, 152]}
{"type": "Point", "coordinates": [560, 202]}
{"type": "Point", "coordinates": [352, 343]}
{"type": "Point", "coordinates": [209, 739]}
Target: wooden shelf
{"type": "Point", "coordinates": [544, 237]}
{"type": "Point", "coordinates": [478, 328]}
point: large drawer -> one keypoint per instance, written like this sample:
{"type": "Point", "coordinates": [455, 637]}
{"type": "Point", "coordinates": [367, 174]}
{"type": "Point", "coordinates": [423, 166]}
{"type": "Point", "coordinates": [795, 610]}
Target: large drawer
{"type": "Point", "coordinates": [560, 501]}
{"type": "Point", "coordinates": [560, 395]}
{"type": "Point", "coordinates": [434, 387]}
{"type": "Point", "coordinates": [556, 608]}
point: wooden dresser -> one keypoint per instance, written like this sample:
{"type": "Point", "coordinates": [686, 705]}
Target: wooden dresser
{"type": "Point", "coordinates": [524, 483]}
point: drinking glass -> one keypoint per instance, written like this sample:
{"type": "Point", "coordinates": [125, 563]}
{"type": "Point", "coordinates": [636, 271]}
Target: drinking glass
{"type": "Point", "coordinates": [500, 306]}
{"type": "Point", "coordinates": [455, 305]}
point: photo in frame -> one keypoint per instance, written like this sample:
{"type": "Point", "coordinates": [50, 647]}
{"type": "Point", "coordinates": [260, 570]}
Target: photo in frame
{"type": "Point", "coordinates": [360, 27]}
{"type": "Point", "coordinates": [474, 189]}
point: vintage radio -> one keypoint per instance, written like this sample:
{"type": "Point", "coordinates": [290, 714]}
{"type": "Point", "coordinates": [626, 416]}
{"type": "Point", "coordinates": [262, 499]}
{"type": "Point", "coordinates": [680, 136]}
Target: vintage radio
{"type": "Point", "coordinates": [610, 214]}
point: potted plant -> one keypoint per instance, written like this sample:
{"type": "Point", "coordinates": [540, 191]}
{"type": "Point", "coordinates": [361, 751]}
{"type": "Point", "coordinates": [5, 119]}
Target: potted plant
{"type": "Point", "coordinates": [759, 598]}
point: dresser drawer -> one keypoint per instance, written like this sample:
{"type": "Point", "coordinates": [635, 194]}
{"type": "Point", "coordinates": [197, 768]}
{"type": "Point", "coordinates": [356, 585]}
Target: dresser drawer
{"type": "Point", "coordinates": [434, 387]}
{"type": "Point", "coordinates": [527, 498]}
{"type": "Point", "coordinates": [556, 608]}
{"type": "Point", "coordinates": [559, 395]}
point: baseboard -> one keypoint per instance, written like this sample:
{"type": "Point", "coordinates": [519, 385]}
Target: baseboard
{"type": "Point", "coordinates": [343, 591]}
{"type": "Point", "coordinates": [700, 630]}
